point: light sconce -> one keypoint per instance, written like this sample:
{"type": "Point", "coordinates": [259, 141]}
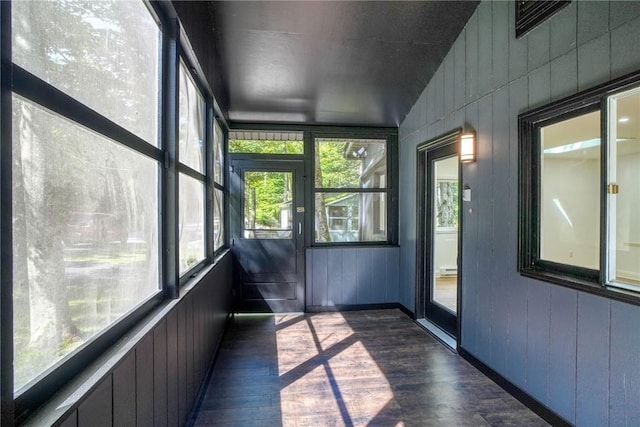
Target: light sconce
{"type": "Point", "coordinates": [468, 147]}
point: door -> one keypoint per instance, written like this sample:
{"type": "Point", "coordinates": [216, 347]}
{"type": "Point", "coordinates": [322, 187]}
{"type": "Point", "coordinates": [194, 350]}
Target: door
{"type": "Point", "coordinates": [439, 206]}
{"type": "Point", "coordinates": [267, 234]}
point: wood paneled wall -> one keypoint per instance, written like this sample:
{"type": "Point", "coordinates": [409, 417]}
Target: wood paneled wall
{"type": "Point", "coordinates": [574, 352]}
{"type": "Point", "coordinates": [349, 276]}
{"type": "Point", "coordinates": [155, 382]}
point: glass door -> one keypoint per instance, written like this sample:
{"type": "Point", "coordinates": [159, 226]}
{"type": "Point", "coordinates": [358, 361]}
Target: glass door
{"type": "Point", "coordinates": [438, 228]}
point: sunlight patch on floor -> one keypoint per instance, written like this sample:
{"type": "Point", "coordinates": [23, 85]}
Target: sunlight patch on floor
{"type": "Point", "coordinates": [300, 345]}
{"type": "Point", "coordinates": [325, 374]}
{"type": "Point", "coordinates": [351, 369]}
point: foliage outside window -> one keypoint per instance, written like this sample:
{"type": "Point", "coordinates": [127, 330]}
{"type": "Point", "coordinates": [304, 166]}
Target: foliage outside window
{"type": "Point", "coordinates": [85, 206]}
{"type": "Point", "coordinates": [268, 198]}
{"type": "Point", "coordinates": [579, 189]}
{"type": "Point", "coordinates": [266, 142]}
{"type": "Point", "coordinates": [447, 204]}
{"type": "Point", "coordinates": [350, 202]}
{"type": "Point", "coordinates": [102, 53]}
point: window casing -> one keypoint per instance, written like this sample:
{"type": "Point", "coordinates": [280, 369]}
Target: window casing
{"type": "Point", "coordinates": [579, 176]}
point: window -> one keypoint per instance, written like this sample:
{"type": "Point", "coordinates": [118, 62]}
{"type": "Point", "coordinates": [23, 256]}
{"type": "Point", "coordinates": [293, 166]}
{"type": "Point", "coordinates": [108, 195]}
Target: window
{"type": "Point", "coordinates": [92, 182]}
{"type": "Point", "coordinates": [266, 142]}
{"type": "Point", "coordinates": [218, 182]}
{"type": "Point", "coordinates": [579, 177]}
{"type": "Point", "coordinates": [191, 154]}
{"type": "Point", "coordinates": [268, 198]}
{"type": "Point", "coordinates": [350, 202]}
{"type": "Point", "coordinates": [85, 202]}
{"type": "Point", "coordinates": [107, 57]}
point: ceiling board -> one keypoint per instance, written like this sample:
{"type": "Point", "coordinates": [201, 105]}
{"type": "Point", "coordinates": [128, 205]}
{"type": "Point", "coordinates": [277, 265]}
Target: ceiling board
{"type": "Point", "coordinates": [345, 63]}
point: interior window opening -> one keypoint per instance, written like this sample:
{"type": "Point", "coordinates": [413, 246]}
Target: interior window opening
{"type": "Point", "coordinates": [570, 191]}
{"type": "Point", "coordinates": [623, 195]}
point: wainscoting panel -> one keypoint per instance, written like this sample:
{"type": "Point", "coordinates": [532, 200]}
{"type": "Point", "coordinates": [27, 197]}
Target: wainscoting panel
{"type": "Point", "coordinates": [352, 276]}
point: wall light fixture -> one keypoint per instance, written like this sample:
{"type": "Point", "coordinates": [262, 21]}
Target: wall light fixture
{"type": "Point", "coordinates": [468, 147]}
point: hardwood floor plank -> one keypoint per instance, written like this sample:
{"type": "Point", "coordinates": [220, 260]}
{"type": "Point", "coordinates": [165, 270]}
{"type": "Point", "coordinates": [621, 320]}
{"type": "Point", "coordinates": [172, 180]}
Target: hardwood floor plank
{"type": "Point", "coordinates": [373, 368]}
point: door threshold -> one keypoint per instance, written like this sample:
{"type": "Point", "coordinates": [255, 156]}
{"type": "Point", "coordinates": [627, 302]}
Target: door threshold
{"type": "Point", "coordinates": [439, 334]}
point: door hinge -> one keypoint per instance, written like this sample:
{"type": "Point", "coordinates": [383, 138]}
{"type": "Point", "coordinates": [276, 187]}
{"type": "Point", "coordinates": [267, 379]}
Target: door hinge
{"type": "Point", "coordinates": [613, 188]}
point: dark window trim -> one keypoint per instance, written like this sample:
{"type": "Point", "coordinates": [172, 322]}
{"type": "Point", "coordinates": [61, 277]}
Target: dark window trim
{"type": "Point", "coordinates": [16, 80]}
{"type": "Point", "coordinates": [391, 190]}
{"type": "Point", "coordinates": [23, 83]}
{"type": "Point", "coordinates": [6, 220]}
{"type": "Point", "coordinates": [42, 93]}
{"type": "Point", "coordinates": [189, 171]}
{"type": "Point", "coordinates": [351, 190]}
{"type": "Point", "coordinates": [531, 13]}
{"type": "Point", "coordinates": [583, 279]}
{"type": "Point", "coordinates": [310, 132]}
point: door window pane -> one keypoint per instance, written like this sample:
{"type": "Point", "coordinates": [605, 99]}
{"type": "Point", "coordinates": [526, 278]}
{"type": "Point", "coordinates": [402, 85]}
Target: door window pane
{"type": "Point", "coordinates": [268, 201]}
{"type": "Point", "coordinates": [445, 237]}
{"type": "Point", "coordinates": [350, 163]}
{"type": "Point", "coordinates": [192, 122]}
{"type": "Point", "coordinates": [85, 236]}
{"type": "Point", "coordinates": [350, 217]}
{"type": "Point", "coordinates": [105, 54]}
{"type": "Point", "coordinates": [191, 222]}
{"type": "Point", "coordinates": [624, 201]}
{"type": "Point", "coordinates": [266, 142]}
{"type": "Point", "coordinates": [570, 191]}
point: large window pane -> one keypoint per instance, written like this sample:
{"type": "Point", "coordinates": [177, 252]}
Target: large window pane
{"type": "Point", "coordinates": [350, 163]}
{"type": "Point", "coordinates": [105, 54]}
{"type": "Point", "coordinates": [570, 191]}
{"type": "Point", "coordinates": [624, 200]}
{"type": "Point", "coordinates": [191, 222]}
{"type": "Point", "coordinates": [218, 219]}
{"type": "Point", "coordinates": [192, 121]}
{"type": "Point", "coordinates": [350, 217]}
{"type": "Point", "coordinates": [85, 236]}
{"type": "Point", "coordinates": [266, 142]}
{"type": "Point", "coordinates": [268, 199]}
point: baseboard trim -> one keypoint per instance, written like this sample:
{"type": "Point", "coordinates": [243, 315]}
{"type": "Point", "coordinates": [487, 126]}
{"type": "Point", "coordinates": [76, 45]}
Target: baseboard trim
{"type": "Point", "coordinates": [545, 413]}
{"type": "Point", "coordinates": [406, 311]}
{"type": "Point", "coordinates": [358, 307]}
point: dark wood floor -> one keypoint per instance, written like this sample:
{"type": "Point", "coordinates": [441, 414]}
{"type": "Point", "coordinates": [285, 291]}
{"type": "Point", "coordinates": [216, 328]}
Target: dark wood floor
{"type": "Point", "coordinates": [348, 369]}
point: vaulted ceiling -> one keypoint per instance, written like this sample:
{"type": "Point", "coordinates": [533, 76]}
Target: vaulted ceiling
{"type": "Point", "coordinates": [339, 63]}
